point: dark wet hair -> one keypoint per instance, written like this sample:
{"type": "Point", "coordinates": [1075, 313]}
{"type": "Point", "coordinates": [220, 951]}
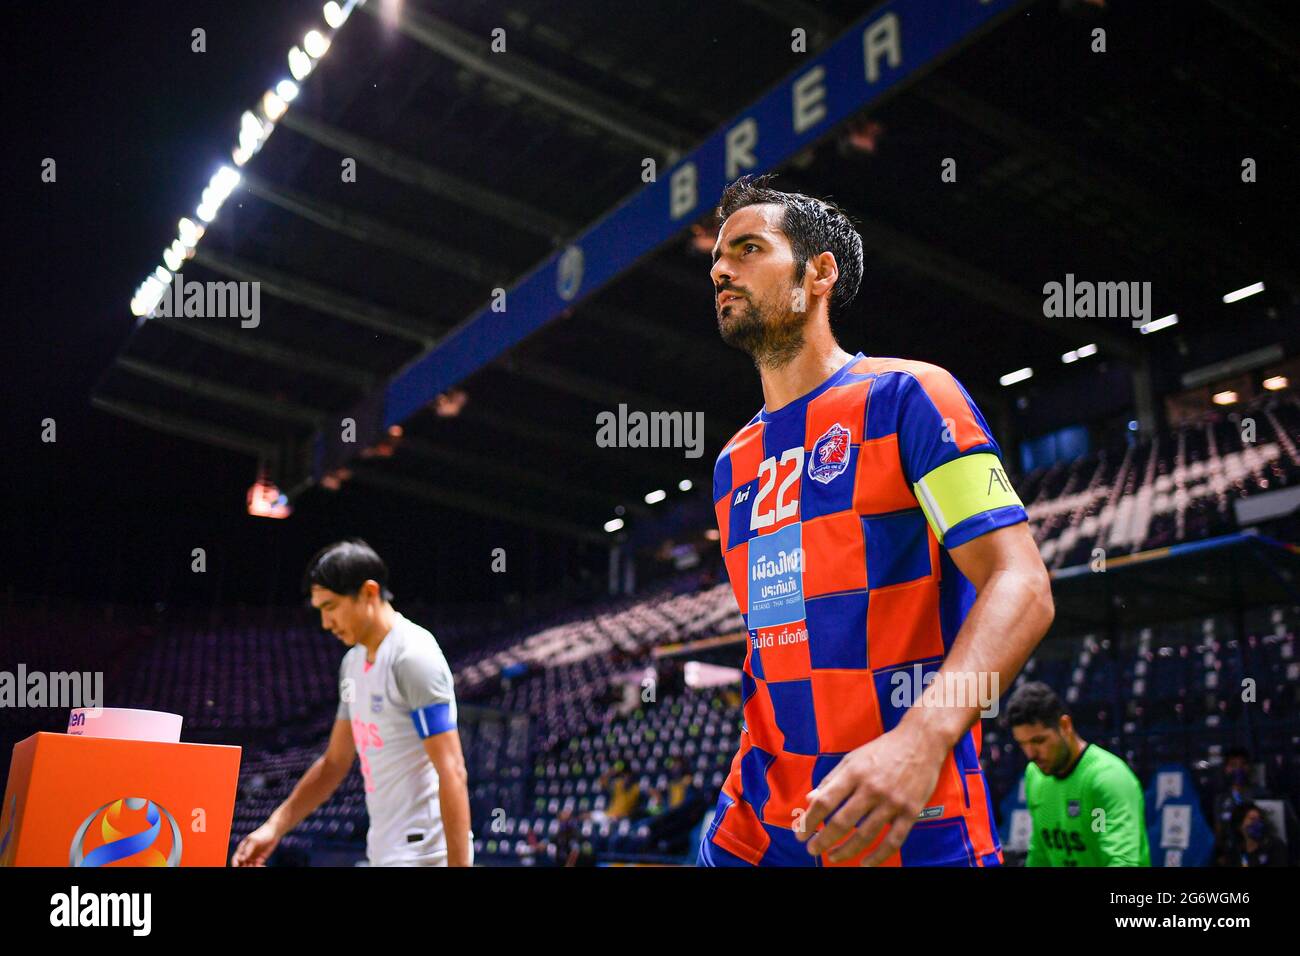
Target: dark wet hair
{"type": "Point", "coordinates": [1034, 703]}
{"type": "Point", "coordinates": [342, 567]}
{"type": "Point", "coordinates": [813, 226]}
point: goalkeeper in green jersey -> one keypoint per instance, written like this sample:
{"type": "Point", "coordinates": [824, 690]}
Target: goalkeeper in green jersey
{"type": "Point", "coordinates": [1085, 802]}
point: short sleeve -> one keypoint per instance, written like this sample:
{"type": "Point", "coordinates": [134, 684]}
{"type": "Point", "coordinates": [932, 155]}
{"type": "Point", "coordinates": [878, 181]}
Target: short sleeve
{"type": "Point", "coordinates": [344, 712]}
{"type": "Point", "coordinates": [1119, 794]}
{"type": "Point", "coordinates": [950, 459]}
{"type": "Point", "coordinates": [424, 681]}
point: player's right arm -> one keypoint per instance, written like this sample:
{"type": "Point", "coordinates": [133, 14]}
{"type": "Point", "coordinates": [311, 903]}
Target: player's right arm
{"type": "Point", "coordinates": [315, 787]}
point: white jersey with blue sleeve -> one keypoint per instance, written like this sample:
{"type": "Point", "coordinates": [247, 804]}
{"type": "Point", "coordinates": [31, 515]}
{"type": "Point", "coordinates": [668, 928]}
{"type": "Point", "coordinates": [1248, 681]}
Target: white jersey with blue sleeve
{"type": "Point", "coordinates": [393, 704]}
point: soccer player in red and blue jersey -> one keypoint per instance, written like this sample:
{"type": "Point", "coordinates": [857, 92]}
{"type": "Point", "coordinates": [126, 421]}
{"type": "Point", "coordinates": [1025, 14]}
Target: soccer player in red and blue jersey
{"type": "Point", "coordinates": [882, 562]}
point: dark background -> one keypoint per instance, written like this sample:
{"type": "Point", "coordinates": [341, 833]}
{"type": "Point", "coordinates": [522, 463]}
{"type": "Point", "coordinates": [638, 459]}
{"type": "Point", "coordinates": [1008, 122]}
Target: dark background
{"type": "Point", "coordinates": [112, 510]}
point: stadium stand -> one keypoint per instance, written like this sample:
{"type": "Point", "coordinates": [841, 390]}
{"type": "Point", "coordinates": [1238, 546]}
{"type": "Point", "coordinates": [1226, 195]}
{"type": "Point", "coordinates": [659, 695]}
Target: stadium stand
{"type": "Point", "coordinates": [1176, 487]}
{"type": "Point", "coordinates": [554, 719]}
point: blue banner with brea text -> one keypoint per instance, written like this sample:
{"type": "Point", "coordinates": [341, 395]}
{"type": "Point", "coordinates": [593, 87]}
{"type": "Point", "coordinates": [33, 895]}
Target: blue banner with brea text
{"type": "Point", "coordinates": [889, 46]}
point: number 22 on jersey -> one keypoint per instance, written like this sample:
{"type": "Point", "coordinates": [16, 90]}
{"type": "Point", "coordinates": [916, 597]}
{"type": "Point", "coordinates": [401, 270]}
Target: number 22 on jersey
{"type": "Point", "coordinates": [764, 513]}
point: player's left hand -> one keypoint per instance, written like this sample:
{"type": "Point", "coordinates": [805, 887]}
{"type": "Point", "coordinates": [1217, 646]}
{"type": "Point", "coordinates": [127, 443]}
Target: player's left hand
{"type": "Point", "coordinates": [885, 781]}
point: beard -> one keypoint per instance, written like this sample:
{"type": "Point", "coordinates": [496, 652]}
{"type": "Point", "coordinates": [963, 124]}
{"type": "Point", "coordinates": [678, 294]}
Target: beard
{"type": "Point", "coordinates": [771, 337]}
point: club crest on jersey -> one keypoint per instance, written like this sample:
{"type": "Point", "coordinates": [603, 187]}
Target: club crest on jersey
{"type": "Point", "coordinates": [1072, 808]}
{"type": "Point", "coordinates": [376, 703]}
{"type": "Point", "coordinates": [830, 455]}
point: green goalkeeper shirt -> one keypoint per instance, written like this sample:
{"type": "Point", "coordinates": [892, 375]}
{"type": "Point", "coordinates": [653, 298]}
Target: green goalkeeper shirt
{"type": "Point", "coordinates": [1093, 816]}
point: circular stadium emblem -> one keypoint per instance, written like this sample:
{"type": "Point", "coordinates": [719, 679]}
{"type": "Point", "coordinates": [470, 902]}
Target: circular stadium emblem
{"type": "Point", "coordinates": [568, 273]}
{"type": "Point", "coordinates": [128, 829]}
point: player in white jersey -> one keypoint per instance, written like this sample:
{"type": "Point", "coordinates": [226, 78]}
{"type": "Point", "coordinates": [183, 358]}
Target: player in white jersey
{"type": "Point", "coordinates": [397, 710]}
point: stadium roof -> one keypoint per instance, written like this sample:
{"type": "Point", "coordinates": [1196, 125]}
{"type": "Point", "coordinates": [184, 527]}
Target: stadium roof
{"type": "Point", "coordinates": [474, 167]}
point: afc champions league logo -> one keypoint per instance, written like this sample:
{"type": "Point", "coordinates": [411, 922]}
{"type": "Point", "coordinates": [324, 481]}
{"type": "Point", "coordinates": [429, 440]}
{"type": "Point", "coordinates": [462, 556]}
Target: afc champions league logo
{"type": "Point", "coordinates": [830, 454]}
{"type": "Point", "coordinates": [128, 831]}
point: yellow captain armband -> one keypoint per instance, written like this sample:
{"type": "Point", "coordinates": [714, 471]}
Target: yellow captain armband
{"type": "Point", "coordinates": [963, 488]}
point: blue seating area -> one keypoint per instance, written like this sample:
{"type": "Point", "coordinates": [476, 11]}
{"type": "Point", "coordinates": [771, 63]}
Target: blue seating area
{"type": "Point", "coordinates": [1173, 694]}
{"type": "Point", "coordinates": [1178, 486]}
{"type": "Point", "coordinates": [539, 746]}
{"type": "Point", "coordinates": [232, 678]}
{"type": "Point", "coordinates": [694, 733]}
{"type": "Point", "coordinates": [535, 743]}
{"type": "Point", "coordinates": [549, 711]}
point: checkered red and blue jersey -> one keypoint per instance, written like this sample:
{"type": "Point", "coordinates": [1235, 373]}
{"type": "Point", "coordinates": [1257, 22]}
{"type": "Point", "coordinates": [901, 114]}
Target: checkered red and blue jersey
{"type": "Point", "coordinates": [835, 515]}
